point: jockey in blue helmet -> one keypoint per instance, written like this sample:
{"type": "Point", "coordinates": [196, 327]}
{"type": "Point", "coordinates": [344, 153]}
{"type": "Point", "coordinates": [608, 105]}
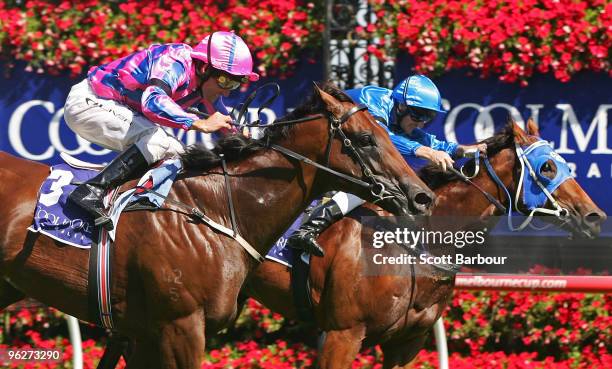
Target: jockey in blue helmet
{"type": "Point", "coordinates": [403, 112]}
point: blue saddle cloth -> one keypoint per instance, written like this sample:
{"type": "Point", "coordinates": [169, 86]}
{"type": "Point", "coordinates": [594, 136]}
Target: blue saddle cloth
{"type": "Point", "coordinates": [61, 220]}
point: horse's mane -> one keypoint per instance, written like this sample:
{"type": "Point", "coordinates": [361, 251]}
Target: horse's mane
{"type": "Point", "coordinates": [236, 146]}
{"type": "Point", "coordinates": [434, 177]}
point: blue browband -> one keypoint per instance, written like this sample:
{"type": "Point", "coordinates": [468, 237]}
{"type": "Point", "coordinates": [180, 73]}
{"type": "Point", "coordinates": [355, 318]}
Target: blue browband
{"type": "Point", "coordinates": [536, 155]}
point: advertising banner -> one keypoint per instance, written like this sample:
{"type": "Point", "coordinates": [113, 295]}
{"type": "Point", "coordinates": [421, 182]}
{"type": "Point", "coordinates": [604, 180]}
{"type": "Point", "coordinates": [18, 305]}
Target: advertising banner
{"type": "Point", "coordinates": [573, 116]}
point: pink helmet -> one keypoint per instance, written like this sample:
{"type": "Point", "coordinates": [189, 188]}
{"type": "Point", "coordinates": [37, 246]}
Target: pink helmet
{"type": "Point", "coordinates": [228, 53]}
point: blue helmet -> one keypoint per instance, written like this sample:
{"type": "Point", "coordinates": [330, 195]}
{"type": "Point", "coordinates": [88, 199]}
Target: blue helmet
{"type": "Point", "coordinates": [418, 91]}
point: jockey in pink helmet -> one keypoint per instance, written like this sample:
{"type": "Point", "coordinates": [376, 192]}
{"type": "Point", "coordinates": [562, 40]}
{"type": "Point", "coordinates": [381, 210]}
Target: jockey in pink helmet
{"type": "Point", "coordinates": [123, 106]}
{"type": "Point", "coordinates": [226, 52]}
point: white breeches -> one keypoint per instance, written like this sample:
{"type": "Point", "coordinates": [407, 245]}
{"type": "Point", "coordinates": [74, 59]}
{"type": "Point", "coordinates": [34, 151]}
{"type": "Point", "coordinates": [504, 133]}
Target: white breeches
{"type": "Point", "coordinates": [115, 126]}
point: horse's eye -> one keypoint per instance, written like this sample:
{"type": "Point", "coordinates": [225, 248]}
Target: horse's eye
{"type": "Point", "coordinates": [366, 139]}
{"type": "Point", "coordinates": [548, 170]}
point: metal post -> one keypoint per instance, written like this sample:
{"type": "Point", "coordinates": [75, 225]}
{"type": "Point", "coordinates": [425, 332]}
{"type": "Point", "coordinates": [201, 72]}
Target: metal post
{"type": "Point", "coordinates": [343, 53]}
{"type": "Point", "coordinates": [75, 340]}
{"type": "Point", "coordinates": [441, 345]}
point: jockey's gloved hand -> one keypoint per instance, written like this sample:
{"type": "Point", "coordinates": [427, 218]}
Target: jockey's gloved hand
{"type": "Point", "coordinates": [469, 151]}
{"type": "Point", "coordinates": [436, 157]}
{"type": "Point", "coordinates": [213, 123]}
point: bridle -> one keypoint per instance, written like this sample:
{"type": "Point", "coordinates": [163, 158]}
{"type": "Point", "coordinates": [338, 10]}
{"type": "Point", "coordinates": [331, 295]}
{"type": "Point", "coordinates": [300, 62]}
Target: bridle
{"type": "Point", "coordinates": [376, 188]}
{"type": "Point", "coordinates": [523, 158]}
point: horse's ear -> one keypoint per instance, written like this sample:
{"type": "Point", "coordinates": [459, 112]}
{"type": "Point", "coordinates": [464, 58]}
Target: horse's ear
{"type": "Point", "coordinates": [316, 88]}
{"type": "Point", "coordinates": [532, 128]}
{"type": "Point", "coordinates": [520, 136]}
{"type": "Point", "coordinates": [333, 105]}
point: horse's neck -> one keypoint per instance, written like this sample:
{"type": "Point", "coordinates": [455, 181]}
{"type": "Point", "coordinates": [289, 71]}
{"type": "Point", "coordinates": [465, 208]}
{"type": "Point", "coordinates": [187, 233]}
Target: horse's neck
{"type": "Point", "coordinates": [460, 198]}
{"type": "Point", "coordinates": [270, 202]}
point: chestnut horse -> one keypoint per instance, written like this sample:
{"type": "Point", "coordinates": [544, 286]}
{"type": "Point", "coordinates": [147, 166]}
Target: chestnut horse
{"type": "Point", "coordinates": [175, 278]}
{"type": "Point", "coordinates": [398, 311]}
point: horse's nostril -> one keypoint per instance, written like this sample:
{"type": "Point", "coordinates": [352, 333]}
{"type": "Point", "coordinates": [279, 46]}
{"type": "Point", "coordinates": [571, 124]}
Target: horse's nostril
{"type": "Point", "coordinates": [593, 217]}
{"type": "Point", "coordinates": [422, 198]}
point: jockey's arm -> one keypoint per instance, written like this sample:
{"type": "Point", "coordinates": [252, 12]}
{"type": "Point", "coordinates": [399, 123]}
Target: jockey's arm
{"type": "Point", "coordinates": [430, 148]}
{"type": "Point", "coordinates": [429, 140]}
{"type": "Point", "coordinates": [451, 148]}
{"type": "Point", "coordinates": [167, 75]}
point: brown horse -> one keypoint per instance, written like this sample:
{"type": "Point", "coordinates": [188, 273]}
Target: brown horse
{"type": "Point", "coordinates": [175, 278]}
{"type": "Point", "coordinates": [392, 310]}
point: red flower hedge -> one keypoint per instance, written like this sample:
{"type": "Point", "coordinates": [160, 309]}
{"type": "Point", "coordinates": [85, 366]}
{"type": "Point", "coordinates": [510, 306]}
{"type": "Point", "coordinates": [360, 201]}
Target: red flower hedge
{"type": "Point", "coordinates": [511, 38]}
{"type": "Point", "coordinates": [562, 326]}
{"type": "Point", "coordinates": [74, 35]}
{"type": "Point", "coordinates": [485, 330]}
{"type": "Point", "coordinates": [280, 355]}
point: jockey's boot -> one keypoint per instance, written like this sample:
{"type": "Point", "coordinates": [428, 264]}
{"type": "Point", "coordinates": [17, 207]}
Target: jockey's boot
{"type": "Point", "coordinates": [321, 217]}
{"type": "Point", "coordinates": [89, 195]}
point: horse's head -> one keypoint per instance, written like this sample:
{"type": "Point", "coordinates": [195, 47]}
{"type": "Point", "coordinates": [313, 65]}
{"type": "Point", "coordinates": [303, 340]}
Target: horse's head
{"type": "Point", "coordinates": [547, 183]}
{"type": "Point", "coordinates": [351, 142]}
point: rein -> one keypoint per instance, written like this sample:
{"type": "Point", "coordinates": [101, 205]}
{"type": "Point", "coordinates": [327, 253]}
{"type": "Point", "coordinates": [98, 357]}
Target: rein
{"type": "Point", "coordinates": [467, 179]}
{"type": "Point", "coordinates": [251, 97]}
{"type": "Point", "coordinates": [256, 124]}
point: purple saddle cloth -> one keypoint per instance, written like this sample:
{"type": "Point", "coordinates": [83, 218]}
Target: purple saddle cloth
{"type": "Point", "coordinates": [61, 220]}
{"type": "Point", "coordinates": [57, 217]}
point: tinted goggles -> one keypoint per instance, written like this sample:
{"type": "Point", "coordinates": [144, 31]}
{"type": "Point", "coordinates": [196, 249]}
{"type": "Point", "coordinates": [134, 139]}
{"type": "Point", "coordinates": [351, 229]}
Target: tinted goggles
{"type": "Point", "coordinates": [227, 82]}
{"type": "Point", "coordinates": [417, 114]}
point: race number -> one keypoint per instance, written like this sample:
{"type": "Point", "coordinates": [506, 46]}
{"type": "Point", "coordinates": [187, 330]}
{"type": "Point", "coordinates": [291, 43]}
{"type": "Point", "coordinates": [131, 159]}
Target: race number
{"type": "Point", "coordinates": [63, 178]}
